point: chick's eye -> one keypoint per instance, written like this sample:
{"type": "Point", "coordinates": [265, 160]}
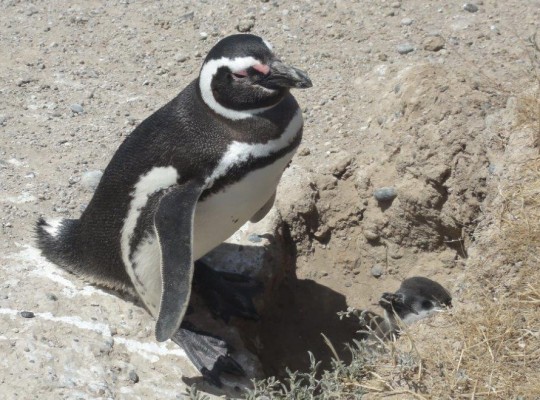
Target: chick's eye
{"type": "Point", "coordinates": [427, 305]}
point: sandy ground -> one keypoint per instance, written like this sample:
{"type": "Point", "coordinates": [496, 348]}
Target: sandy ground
{"type": "Point", "coordinates": [404, 96]}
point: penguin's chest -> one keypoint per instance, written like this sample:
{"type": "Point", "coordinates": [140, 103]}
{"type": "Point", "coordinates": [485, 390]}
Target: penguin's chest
{"type": "Point", "coordinates": [219, 215]}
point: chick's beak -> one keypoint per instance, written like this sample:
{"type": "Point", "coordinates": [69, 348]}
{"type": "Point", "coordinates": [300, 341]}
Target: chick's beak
{"type": "Point", "coordinates": [284, 76]}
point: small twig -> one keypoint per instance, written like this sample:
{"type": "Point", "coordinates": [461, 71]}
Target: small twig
{"type": "Point", "coordinates": [331, 346]}
{"type": "Point", "coordinates": [486, 340]}
{"type": "Point", "coordinates": [474, 389]}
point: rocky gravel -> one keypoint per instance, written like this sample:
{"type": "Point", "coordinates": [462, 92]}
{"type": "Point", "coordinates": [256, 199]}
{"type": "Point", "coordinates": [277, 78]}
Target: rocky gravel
{"type": "Point", "coordinates": [404, 101]}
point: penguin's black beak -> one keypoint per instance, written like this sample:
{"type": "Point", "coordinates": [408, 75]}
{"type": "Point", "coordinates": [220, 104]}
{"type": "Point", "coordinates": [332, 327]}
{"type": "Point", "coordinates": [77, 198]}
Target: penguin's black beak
{"type": "Point", "coordinates": [284, 76]}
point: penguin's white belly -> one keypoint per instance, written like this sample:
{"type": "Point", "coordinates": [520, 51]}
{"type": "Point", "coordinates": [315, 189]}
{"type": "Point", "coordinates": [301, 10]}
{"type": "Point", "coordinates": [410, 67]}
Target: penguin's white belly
{"type": "Point", "coordinates": [216, 218]}
{"type": "Point", "coordinates": [220, 215]}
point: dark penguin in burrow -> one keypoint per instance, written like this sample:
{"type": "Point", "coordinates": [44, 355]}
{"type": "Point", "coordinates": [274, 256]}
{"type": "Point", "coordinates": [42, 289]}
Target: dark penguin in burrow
{"type": "Point", "coordinates": [180, 184]}
{"type": "Point", "coordinates": [417, 298]}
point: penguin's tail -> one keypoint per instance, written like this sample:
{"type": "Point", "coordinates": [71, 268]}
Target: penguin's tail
{"type": "Point", "coordinates": [54, 240]}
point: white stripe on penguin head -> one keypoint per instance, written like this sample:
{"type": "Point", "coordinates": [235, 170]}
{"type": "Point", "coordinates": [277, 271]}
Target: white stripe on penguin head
{"type": "Point", "coordinates": [209, 70]}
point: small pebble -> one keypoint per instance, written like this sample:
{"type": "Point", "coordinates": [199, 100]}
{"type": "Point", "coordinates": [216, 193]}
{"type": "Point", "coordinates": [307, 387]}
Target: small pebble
{"type": "Point", "coordinates": [385, 194]}
{"type": "Point", "coordinates": [470, 7]}
{"type": "Point", "coordinates": [51, 296]}
{"type": "Point", "coordinates": [90, 179]}
{"type": "Point", "coordinates": [77, 108]}
{"type": "Point", "coordinates": [181, 58]}
{"type": "Point", "coordinates": [494, 29]}
{"type": "Point", "coordinates": [203, 35]}
{"type": "Point", "coordinates": [133, 377]}
{"type": "Point", "coordinates": [434, 43]}
{"type": "Point", "coordinates": [377, 271]}
{"type": "Point", "coordinates": [371, 235]}
{"type": "Point", "coordinates": [304, 152]}
{"type": "Point", "coordinates": [406, 21]}
{"type": "Point", "coordinates": [245, 25]}
{"type": "Point", "coordinates": [254, 238]}
{"type": "Point", "coordinates": [27, 314]}
{"type": "Point", "coordinates": [404, 48]}
{"type": "Point", "coordinates": [24, 81]}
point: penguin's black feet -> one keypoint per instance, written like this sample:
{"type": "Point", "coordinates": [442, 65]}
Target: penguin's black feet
{"type": "Point", "coordinates": [208, 353]}
{"type": "Point", "coordinates": [226, 294]}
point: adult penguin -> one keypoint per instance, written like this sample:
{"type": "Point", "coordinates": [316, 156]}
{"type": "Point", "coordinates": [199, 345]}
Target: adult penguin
{"type": "Point", "coordinates": [181, 183]}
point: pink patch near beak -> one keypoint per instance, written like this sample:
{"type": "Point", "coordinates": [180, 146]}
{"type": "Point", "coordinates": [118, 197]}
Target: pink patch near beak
{"type": "Point", "coordinates": [262, 68]}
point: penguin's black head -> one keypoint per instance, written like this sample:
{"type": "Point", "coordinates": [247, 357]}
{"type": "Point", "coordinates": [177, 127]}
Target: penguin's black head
{"type": "Point", "coordinates": [241, 76]}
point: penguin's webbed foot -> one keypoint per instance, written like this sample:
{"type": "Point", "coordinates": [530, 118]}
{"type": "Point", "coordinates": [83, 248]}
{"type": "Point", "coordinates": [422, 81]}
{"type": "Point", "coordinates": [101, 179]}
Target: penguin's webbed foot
{"type": "Point", "coordinates": [226, 294]}
{"type": "Point", "coordinates": [208, 353]}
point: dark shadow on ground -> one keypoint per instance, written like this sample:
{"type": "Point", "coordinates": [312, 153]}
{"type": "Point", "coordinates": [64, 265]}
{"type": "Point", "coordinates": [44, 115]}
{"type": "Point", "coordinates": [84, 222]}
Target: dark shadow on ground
{"type": "Point", "coordinates": [291, 326]}
{"type": "Point", "coordinates": [294, 312]}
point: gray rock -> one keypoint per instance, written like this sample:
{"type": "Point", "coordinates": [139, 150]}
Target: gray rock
{"type": "Point", "coordinates": [24, 81]}
{"type": "Point", "coordinates": [385, 194]}
{"type": "Point", "coordinates": [77, 108]}
{"type": "Point", "coordinates": [73, 180]}
{"type": "Point", "coordinates": [254, 238]}
{"type": "Point", "coordinates": [90, 179]}
{"type": "Point", "coordinates": [406, 21]}
{"type": "Point", "coordinates": [51, 296]}
{"type": "Point", "coordinates": [133, 377]}
{"type": "Point", "coordinates": [181, 57]}
{"type": "Point", "coordinates": [470, 7]}
{"type": "Point", "coordinates": [405, 48]}
{"type": "Point", "coordinates": [27, 314]}
{"type": "Point", "coordinates": [377, 271]}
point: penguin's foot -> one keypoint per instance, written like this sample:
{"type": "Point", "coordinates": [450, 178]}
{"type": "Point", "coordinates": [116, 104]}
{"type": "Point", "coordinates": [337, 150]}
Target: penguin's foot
{"type": "Point", "coordinates": [226, 294]}
{"type": "Point", "coordinates": [208, 353]}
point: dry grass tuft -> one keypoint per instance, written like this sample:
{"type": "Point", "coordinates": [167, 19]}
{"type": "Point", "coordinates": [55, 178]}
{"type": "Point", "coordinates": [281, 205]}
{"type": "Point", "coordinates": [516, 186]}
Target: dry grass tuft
{"type": "Point", "coordinates": [518, 220]}
{"type": "Point", "coordinates": [528, 107]}
{"type": "Point", "coordinates": [529, 114]}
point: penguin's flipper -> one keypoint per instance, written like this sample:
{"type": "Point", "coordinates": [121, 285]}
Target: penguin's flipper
{"type": "Point", "coordinates": [208, 353]}
{"type": "Point", "coordinates": [173, 222]}
{"type": "Point", "coordinates": [226, 294]}
{"type": "Point", "coordinates": [264, 209]}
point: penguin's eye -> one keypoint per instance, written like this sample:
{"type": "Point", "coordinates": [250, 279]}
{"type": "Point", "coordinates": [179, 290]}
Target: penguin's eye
{"type": "Point", "coordinates": [240, 74]}
{"type": "Point", "coordinates": [427, 305]}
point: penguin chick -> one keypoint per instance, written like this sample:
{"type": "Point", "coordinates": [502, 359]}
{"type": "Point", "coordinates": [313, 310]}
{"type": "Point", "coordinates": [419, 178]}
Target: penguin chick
{"type": "Point", "coordinates": [417, 298]}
